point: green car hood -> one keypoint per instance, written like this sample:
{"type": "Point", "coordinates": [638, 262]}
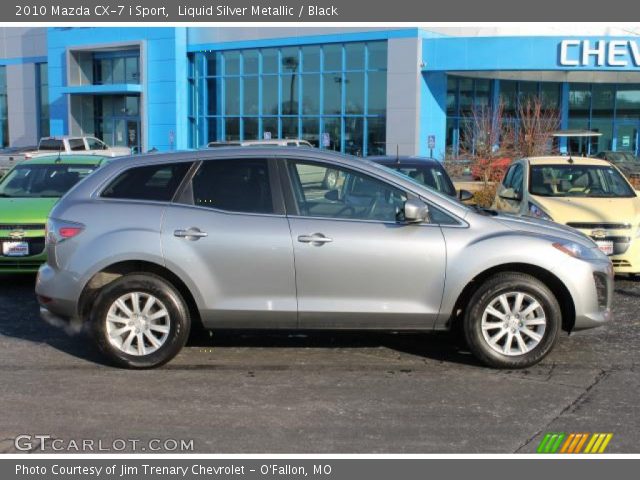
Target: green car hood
{"type": "Point", "coordinates": [19, 211]}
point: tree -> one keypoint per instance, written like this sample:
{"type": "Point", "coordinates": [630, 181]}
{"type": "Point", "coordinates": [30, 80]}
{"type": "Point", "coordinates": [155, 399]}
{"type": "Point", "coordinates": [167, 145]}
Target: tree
{"type": "Point", "coordinates": [532, 133]}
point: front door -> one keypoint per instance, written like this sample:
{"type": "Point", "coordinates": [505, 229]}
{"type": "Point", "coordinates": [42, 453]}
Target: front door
{"type": "Point", "coordinates": [227, 234]}
{"type": "Point", "coordinates": [357, 264]}
{"type": "Point", "coordinates": [126, 132]}
{"type": "Point", "coordinates": [511, 190]}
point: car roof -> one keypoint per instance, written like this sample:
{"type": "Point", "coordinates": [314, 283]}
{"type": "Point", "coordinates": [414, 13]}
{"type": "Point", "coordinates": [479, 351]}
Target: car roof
{"type": "Point", "coordinates": [404, 160]}
{"type": "Point", "coordinates": [67, 160]}
{"type": "Point", "coordinates": [561, 160]}
{"type": "Point", "coordinates": [64, 137]}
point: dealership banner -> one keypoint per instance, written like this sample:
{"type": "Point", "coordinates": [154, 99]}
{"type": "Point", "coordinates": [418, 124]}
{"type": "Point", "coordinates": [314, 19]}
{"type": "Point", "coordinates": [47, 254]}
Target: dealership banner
{"type": "Point", "coordinates": [158, 11]}
{"type": "Point", "coordinates": [318, 469]}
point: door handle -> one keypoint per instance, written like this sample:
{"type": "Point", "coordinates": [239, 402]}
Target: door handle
{"type": "Point", "coordinates": [190, 234]}
{"type": "Point", "coordinates": [316, 238]}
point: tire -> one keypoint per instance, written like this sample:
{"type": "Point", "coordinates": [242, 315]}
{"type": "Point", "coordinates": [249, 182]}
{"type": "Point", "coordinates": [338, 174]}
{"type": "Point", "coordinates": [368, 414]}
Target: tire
{"type": "Point", "coordinates": [482, 323]}
{"type": "Point", "coordinates": [330, 181]}
{"type": "Point", "coordinates": [167, 320]}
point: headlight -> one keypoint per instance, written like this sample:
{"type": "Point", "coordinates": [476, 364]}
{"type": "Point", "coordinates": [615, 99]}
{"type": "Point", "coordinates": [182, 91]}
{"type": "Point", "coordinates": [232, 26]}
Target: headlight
{"type": "Point", "coordinates": [576, 250]}
{"type": "Point", "coordinates": [537, 212]}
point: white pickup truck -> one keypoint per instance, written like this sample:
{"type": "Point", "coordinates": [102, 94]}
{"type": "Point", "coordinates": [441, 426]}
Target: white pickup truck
{"type": "Point", "coordinates": [68, 145]}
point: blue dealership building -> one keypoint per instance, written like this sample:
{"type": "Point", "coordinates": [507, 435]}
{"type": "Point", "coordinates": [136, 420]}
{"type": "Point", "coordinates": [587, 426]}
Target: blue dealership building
{"type": "Point", "coordinates": [361, 91]}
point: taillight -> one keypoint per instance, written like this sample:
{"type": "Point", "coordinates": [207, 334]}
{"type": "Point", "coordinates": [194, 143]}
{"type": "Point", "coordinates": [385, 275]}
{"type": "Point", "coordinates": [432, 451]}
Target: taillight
{"type": "Point", "coordinates": [58, 231]}
{"type": "Point", "coordinates": [69, 232]}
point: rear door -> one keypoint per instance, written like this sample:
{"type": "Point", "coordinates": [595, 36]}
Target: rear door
{"type": "Point", "coordinates": [357, 264]}
{"type": "Point", "coordinates": [227, 233]}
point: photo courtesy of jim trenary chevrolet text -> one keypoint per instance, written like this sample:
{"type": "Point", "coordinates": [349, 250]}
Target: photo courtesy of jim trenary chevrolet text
{"type": "Point", "coordinates": [324, 240]}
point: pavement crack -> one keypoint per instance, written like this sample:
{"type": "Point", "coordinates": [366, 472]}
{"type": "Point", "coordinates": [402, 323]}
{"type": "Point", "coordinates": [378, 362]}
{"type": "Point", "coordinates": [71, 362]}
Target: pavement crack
{"type": "Point", "coordinates": [602, 374]}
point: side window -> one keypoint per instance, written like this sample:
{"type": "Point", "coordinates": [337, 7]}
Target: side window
{"type": "Point", "coordinates": [153, 182]}
{"type": "Point", "coordinates": [517, 178]}
{"type": "Point", "coordinates": [240, 185]}
{"type": "Point", "coordinates": [95, 144]}
{"type": "Point", "coordinates": [506, 182]}
{"type": "Point", "coordinates": [76, 144]}
{"type": "Point", "coordinates": [327, 192]}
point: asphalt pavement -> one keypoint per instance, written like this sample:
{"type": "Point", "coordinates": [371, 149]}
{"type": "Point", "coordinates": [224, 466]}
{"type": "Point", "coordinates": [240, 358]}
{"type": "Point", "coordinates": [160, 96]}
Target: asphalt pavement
{"type": "Point", "coordinates": [282, 392]}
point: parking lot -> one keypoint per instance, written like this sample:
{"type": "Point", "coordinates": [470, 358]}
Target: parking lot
{"type": "Point", "coordinates": [322, 393]}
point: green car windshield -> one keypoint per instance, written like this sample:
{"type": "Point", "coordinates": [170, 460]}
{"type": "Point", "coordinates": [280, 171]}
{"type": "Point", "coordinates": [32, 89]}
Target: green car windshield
{"type": "Point", "coordinates": [42, 181]}
{"type": "Point", "coordinates": [578, 181]}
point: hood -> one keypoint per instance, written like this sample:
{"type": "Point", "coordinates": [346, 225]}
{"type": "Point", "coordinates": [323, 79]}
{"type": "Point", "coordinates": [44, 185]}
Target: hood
{"type": "Point", "coordinates": [579, 209]}
{"type": "Point", "coordinates": [25, 210]}
{"type": "Point", "coordinates": [629, 168]}
{"type": "Point", "coordinates": [119, 151]}
{"type": "Point", "coordinates": [543, 227]}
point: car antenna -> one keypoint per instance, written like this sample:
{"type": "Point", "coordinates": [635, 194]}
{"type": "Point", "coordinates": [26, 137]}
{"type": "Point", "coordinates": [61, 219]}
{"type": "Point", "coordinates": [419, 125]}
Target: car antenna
{"type": "Point", "coordinates": [397, 154]}
{"type": "Point", "coordinates": [59, 159]}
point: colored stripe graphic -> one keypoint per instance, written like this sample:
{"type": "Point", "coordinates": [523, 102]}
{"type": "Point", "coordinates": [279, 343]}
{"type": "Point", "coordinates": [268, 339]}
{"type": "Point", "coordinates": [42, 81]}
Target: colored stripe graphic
{"type": "Point", "coordinates": [551, 442]}
{"type": "Point", "coordinates": [598, 443]}
{"type": "Point", "coordinates": [574, 442]}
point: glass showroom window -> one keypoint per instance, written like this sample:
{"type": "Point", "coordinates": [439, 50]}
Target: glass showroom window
{"type": "Point", "coordinates": [116, 67]}
{"type": "Point", "coordinates": [4, 121]}
{"type": "Point", "coordinates": [42, 91]}
{"type": "Point", "coordinates": [465, 94]}
{"type": "Point", "coordinates": [610, 109]}
{"type": "Point", "coordinates": [333, 96]}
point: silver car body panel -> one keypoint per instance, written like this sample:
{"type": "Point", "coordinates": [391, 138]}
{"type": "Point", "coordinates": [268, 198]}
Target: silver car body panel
{"type": "Point", "coordinates": [251, 270]}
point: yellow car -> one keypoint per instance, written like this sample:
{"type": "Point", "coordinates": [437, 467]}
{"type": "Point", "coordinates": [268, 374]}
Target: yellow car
{"type": "Point", "coordinates": [588, 194]}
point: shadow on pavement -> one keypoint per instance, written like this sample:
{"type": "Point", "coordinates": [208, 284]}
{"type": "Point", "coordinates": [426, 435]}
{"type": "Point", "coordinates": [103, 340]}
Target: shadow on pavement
{"type": "Point", "coordinates": [19, 318]}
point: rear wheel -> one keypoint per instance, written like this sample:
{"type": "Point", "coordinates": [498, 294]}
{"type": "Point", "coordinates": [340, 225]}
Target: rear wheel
{"type": "Point", "coordinates": [140, 321]}
{"type": "Point", "coordinates": [512, 321]}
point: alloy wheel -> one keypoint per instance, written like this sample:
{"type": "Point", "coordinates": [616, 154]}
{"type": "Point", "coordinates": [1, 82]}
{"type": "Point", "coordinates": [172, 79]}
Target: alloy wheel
{"type": "Point", "coordinates": [138, 324]}
{"type": "Point", "coordinates": [513, 323]}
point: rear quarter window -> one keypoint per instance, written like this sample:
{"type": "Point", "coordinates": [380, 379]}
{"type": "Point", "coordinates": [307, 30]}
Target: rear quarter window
{"type": "Point", "coordinates": [153, 182]}
{"type": "Point", "coordinates": [51, 144]}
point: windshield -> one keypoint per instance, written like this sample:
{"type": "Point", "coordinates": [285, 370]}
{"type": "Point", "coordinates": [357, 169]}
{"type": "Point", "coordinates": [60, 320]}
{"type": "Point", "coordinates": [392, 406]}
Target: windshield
{"type": "Point", "coordinates": [42, 180]}
{"type": "Point", "coordinates": [428, 176]}
{"type": "Point", "coordinates": [621, 157]}
{"type": "Point", "coordinates": [578, 181]}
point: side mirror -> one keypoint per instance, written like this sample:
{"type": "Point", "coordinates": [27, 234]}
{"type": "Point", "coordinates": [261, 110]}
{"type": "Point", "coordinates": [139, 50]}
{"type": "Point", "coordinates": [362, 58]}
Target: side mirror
{"type": "Point", "coordinates": [332, 195]}
{"type": "Point", "coordinates": [510, 194]}
{"type": "Point", "coordinates": [416, 211]}
{"type": "Point", "coordinates": [465, 195]}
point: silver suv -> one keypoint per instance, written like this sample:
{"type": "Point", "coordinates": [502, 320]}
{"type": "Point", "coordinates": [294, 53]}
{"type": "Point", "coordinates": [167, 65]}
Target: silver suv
{"type": "Point", "coordinates": [146, 247]}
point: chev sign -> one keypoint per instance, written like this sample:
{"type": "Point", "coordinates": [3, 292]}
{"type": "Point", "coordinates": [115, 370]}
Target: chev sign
{"type": "Point", "coordinates": [599, 53]}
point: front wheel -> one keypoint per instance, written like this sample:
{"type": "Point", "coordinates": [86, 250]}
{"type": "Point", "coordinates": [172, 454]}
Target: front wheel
{"type": "Point", "coordinates": [140, 321]}
{"type": "Point", "coordinates": [512, 321]}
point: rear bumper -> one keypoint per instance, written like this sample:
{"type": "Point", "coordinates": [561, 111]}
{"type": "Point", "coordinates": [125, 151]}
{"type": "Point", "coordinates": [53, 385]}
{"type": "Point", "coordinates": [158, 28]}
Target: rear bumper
{"type": "Point", "coordinates": [70, 325]}
{"type": "Point", "coordinates": [56, 292]}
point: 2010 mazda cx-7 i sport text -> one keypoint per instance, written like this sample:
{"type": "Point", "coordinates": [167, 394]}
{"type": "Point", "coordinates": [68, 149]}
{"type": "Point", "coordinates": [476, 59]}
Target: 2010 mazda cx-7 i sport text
{"type": "Point", "coordinates": [250, 238]}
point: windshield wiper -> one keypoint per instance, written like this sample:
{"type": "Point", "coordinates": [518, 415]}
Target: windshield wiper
{"type": "Point", "coordinates": [4, 195]}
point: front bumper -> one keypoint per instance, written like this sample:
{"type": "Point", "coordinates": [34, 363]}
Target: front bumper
{"type": "Point", "coordinates": [626, 256]}
{"type": "Point", "coordinates": [26, 264]}
{"type": "Point", "coordinates": [629, 261]}
{"type": "Point", "coordinates": [593, 295]}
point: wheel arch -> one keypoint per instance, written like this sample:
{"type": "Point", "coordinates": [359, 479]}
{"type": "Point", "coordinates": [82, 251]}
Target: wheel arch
{"type": "Point", "coordinates": [557, 287]}
{"type": "Point", "coordinates": [116, 270]}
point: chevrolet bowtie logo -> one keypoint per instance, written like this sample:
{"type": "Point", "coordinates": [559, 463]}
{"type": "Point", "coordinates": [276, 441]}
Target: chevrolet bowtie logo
{"type": "Point", "coordinates": [599, 234]}
{"type": "Point", "coordinates": [17, 234]}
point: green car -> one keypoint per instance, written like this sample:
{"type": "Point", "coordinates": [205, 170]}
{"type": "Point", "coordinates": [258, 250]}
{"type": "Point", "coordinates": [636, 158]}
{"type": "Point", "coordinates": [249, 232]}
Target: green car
{"type": "Point", "coordinates": [27, 194]}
